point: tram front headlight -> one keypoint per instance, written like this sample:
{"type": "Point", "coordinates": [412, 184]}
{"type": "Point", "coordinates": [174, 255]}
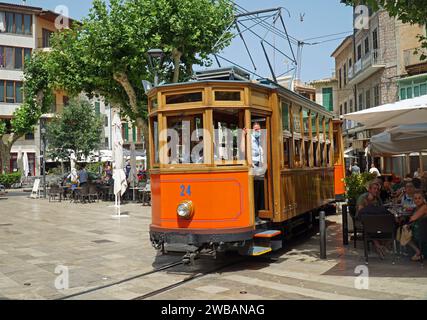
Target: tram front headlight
{"type": "Point", "coordinates": [185, 209]}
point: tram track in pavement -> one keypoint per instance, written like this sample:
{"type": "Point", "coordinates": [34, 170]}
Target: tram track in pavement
{"type": "Point", "coordinates": [116, 283]}
{"type": "Point", "coordinates": [196, 275]}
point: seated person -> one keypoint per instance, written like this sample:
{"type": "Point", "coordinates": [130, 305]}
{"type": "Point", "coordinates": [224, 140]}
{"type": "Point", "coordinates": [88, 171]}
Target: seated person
{"type": "Point", "coordinates": [407, 197]}
{"type": "Point", "coordinates": [420, 214]}
{"type": "Point", "coordinates": [368, 202]}
{"type": "Point", "coordinates": [386, 191]}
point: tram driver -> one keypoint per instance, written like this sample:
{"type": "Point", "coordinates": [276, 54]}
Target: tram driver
{"type": "Point", "coordinates": [258, 167]}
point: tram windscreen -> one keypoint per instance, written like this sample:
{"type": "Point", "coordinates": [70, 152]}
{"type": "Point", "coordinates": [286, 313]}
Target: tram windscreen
{"type": "Point", "coordinates": [228, 126]}
{"type": "Point", "coordinates": [185, 140]}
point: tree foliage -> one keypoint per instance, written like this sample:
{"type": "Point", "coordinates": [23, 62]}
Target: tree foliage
{"type": "Point", "coordinates": [77, 130]}
{"type": "Point", "coordinates": [37, 99]}
{"type": "Point", "coordinates": [107, 53]}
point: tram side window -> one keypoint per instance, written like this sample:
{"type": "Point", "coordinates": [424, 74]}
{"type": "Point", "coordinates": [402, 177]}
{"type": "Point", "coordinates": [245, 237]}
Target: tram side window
{"type": "Point", "coordinates": [296, 121]}
{"type": "Point", "coordinates": [307, 142]}
{"type": "Point", "coordinates": [185, 139]}
{"type": "Point", "coordinates": [228, 135]}
{"type": "Point", "coordinates": [297, 155]}
{"type": "Point", "coordinates": [322, 142]}
{"type": "Point", "coordinates": [155, 135]}
{"type": "Point", "coordinates": [328, 144]}
{"type": "Point", "coordinates": [287, 135]}
{"type": "Point", "coordinates": [314, 135]}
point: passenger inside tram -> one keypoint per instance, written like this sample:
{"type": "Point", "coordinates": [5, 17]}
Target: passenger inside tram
{"type": "Point", "coordinates": [259, 164]}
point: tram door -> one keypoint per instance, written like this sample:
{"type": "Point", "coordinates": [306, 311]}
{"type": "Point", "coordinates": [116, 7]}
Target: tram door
{"type": "Point", "coordinates": [261, 159]}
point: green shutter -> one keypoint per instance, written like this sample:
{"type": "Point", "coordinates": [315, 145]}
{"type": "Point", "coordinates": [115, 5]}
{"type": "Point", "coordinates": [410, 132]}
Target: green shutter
{"type": "Point", "coordinates": [423, 89]}
{"type": "Point", "coordinates": [402, 94]}
{"type": "Point", "coordinates": [126, 129]}
{"type": "Point", "coordinates": [328, 100]}
{"type": "Point", "coordinates": [134, 133]}
{"type": "Point", "coordinates": [97, 108]}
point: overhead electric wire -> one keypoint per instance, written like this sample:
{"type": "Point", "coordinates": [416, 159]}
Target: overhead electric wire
{"type": "Point", "coordinates": [327, 36]}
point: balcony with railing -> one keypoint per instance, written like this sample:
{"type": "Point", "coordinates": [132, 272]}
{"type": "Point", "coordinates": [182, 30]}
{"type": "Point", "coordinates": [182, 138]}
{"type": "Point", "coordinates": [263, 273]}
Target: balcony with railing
{"type": "Point", "coordinates": [367, 66]}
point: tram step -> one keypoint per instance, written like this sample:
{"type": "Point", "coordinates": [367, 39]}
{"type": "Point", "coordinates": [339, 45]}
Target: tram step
{"type": "Point", "coordinates": [268, 234]}
{"type": "Point", "coordinates": [255, 251]}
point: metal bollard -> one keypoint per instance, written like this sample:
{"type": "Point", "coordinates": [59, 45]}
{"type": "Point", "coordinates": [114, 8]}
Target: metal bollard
{"type": "Point", "coordinates": [322, 226]}
{"type": "Point", "coordinates": [345, 224]}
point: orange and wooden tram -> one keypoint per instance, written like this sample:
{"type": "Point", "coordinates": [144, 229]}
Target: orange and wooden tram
{"type": "Point", "coordinates": [204, 199]}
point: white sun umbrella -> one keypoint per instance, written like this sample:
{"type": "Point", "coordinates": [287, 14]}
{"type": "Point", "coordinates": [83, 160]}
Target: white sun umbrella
{"type": "Point", "coordinates": [410, 111]}
{"type": "Point", "coordinates": [25, 165]}
{"type": "Point", "coordinates": [400, 140]}
{"type": "Point", "coordinates": [119, 176]}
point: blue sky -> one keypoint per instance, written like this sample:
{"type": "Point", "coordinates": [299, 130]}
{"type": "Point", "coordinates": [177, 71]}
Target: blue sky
{"type": "Point", "coordinates": [321, 17]}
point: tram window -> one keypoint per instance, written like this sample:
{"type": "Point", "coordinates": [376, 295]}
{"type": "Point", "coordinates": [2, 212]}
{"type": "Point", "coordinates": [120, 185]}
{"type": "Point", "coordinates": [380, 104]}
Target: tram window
{"type": "Point", "coordinates": [328, 155]}
{"type": "Point", "coordinates": [287, 152]}
{"type": "Point", "coordinates": [227, 96]}
{"type": "Point", "coordinates": [285, 116]}
{"type": "Point", "coordinates": [155, 135]}
{"type": "Point", "coordinates": [313, 124]}
{"type": "Point", "coordinates": [153, 103]}
{"type": "Point", "coordinates": [296, 120]}
{"type": "Point", "coordinates": [306, 120]}
{"type": "Point", "coordinates": [298, 163]}
{"type": "Point", "coordinates": [185, 139]}
{"type": "Point", "coordinates": [184, 98]}
{"type": "Point", "coordinates": [315, 144]}
{"type": "Point", "coordinates": [228, 125]}
{"type": "Point", "coordinates": [307, 153]}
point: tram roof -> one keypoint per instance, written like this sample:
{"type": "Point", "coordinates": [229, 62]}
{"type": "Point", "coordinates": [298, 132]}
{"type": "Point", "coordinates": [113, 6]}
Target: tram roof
{"type": "Point", "coordinates": [263, 84]}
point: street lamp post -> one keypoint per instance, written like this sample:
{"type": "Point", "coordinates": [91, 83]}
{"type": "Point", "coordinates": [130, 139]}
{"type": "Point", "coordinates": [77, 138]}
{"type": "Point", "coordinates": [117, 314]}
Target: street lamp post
{"type": "Point", "coordinates": [43, 134]}
{"type": "Point", "coordinates": [155, 54]}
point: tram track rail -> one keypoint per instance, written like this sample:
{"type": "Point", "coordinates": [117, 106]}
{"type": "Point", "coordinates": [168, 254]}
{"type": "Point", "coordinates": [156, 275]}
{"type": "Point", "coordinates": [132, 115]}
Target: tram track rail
{"type": "Point", "coordinates": [156, 292]}
{"type": "Point", "coordinates": [116, 283]}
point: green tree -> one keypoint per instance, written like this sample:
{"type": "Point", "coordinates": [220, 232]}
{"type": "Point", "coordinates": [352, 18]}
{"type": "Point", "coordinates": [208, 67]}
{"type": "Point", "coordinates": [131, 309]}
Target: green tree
{"type": "Point", "coordinates": [37, 99]}
{"type": "Point", "coordinates": [77, 130]}
{"type": "Point", "coordinates": [107, 53]}
{"type": "Point", "coordinates": [414, 12]}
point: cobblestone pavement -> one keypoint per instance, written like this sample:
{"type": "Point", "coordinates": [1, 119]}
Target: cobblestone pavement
{"type": "Point", "coordinates": [36, 237]}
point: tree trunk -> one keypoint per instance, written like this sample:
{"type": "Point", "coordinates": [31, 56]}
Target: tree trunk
{"type": "Point", "coordinates": [5, 148]}
{"type": "Point", "coordinates": [123, 80]}
{"type": "Point", "coordinates": [143, 125]}
{"type": "Point", "coordinates": [176, 55]}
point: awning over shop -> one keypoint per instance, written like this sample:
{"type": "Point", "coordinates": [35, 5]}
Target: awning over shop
{"type": "Point", "coordinates": [400, 140]}
{"type": "Point", "coordinates": [410, 111]}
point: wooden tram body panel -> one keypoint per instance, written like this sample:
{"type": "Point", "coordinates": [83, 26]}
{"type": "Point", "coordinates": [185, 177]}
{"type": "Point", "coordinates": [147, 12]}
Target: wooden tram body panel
{"type": "Point", "coordinates": [300, 180]}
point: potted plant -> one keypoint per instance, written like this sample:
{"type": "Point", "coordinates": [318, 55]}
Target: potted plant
{"type": "Point", "coordinates": [356, 185]}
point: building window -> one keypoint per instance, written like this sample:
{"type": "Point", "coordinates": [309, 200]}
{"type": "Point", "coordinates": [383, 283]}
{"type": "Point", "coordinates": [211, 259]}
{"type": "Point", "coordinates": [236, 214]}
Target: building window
{"type": "Point", "coordinates": [409, 94]}
{"type": "Point", "coordinates": [46, 38]}
{"type": "Point", "coordinates": [19, 28]}
{"type": "Point", "coordinates": [106, 121]}
{"type": "Point", "coordinates": [350, 63]}
{"type": "Point", "coordinates": [377, 95]}
{"type": "Point", "coordinates": [18, 23]}
{"type": "Point", "coordinates": [29, 136]}
{"type": "Point", "coordinates": [97, 108]}
{"type": "Point", "coordinates": [360, 102]}
{"type": "Point", "coordinates": [345, 75]}
{"type": "Point", "coordinates": [375, 39]}
{"type": "Point", "coordinates": [340, 78]}
{"type": "Point", "coordinates": [403, 94]}
{"type": "Point", "coordinates": [13, 58]}
{"type": "Point", "coordinates": [27, 24]}
{"type": "Point", "coordinates": [351, 106]}
{"type": "Point", "coordinates": [9, 22]}
{"type": "Point", "coordinates": [341, 110]}
{"type": "Point", "coordinates": [368, 99]}
{"type": "Point", "coordinates": [10, 92]}
{"type": "Point", "coordinates": [107, 143]}
{"type": "Point", "coordinates": [328, 99]}
{"type": "Point", "coordinates": [359, 52]}
{"type": "Point", "coordinates": [367, 48]}
{"type": "Point", "coordinates": [345, 108]}
{"type": "Point", "coordinates": [18, 58]}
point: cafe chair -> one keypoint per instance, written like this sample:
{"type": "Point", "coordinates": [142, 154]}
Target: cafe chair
{"type": "Point", "coordinates": [55, 191]}
{"type": "Point", "coordinates": [378, 227]}
{"type": "Point", "coordinates": [422, 241]}
{"type": "Point", "coordinates": [93, 193]}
